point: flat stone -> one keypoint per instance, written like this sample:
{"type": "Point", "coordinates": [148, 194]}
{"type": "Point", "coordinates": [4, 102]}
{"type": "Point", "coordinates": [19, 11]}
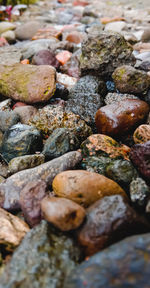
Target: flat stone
{"type": "Point", "coordinates": [25, 162]}
{"type": "Point", "coordinates": [142, 134]}
{"type": "Point", "coordinates": [11, 188]}
{"type": "Point", "coordinates": [10, 55]}
{"type": "Point", "coordinates": [117, 26]}
{"type": "Point", "coordinates": [26, 30]}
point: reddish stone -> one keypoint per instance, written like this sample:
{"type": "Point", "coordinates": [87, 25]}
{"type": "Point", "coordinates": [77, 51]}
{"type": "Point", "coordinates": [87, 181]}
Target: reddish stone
{"type": "Point", "coordinates": [46, 33]}
{"type": "Point", "coordinates": [25, 61]}
{"type": "Point", "coordinates": [63, 56]}
{"type": "Point", "coordinates": [80, 3]}
{"type": "Point", "coordinates": [3, 42]}
{"type": "Point", "coordinates": [106, 20]}
{"type": "Point", "coordinates": [75, 37]}
{"type": "Point", "coordinates": [18, 104]}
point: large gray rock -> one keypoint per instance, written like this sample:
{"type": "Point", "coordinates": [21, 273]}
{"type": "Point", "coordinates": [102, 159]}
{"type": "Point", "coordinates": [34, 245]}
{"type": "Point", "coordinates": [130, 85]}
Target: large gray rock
{"type": "Point", "coordinates": [27, 30]}
{"type": "Point", "coordinates": [104, 52]}
{"type": "Point", "coordinates": [10, 55]}
{"type": "Point", "coordinates": [11, 188]}
{"type": "Point", "coordinates": [125, 264]}
{"type": "Point", "coordinates": [21, 82]}
{"type": "Point", "coordinates": [8, 119]}
{"type": "Point", "coordinates": [43, 260]}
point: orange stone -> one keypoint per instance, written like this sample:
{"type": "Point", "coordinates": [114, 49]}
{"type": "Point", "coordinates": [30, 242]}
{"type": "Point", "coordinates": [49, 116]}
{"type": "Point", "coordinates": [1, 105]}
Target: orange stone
{"type": "Point", "coordinates": [80, 3]}
{"type": "Point", "coordinates": [25, 61]}
{"type": "Point", "coordinates": [63, 56]}
{"type": "Point", "coordinates": [74, 37]}
{"type": "Point", "coordinates": [47, 33]}
{"type": "Point", "coordinates": [106, 20]}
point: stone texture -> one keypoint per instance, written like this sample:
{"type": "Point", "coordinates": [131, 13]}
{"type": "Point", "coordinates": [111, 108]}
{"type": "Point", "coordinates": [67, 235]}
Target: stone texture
{"type": "Point", "coordinates": [30, 201]}
{"type": "Point", "coordinates": [142, 134]}
{"type": "Point", "coordinates": [62, 213]}
{"type": "Point", "coordinates": [12, 230]}
{"type": "Point", "coordinates": [139, 192]}
{"type": "Point", "coordinates": [43, 259]}
{"type": "Point", "coordinates": [11, 188]}
{"type": "Point", "coordinates": [104, 52]}
{"type": "Point", "coordinates": [10, 55]}
{"type": "Point", "coordinates": [121, 117]}
{"type": "Point", "coordinates": [45, 57]}
{"type": "Point", "coordinates": [66, 80]}
{"type": "Point", "coordinates": [26, 30]}
{"type": "Point", "coordinates": [130, 80]}
{"type": "Point", "coordinates": [21, 140]}
{"type": "Point", "coordinates": [107, 221]}
{"type": "Point", "coordinates": [84, 187]}
{"type": "Point", "coordinates": [21, 82]}
{"type": "Point", "coordinates": [51, 117]}
{"type": "Point", "coordinates": [5, 26]}
{"type": "Point", "coordinates": [103, 145]}
{"type": "Point", "coordinates": [8, 119]}
{"type": "Point", "coordinates": [112, 98]}
{"type": "Point", "coordinates": [124, 264]}
{"type": "Point", "coordinates": [61, 141]}
{"type": "Point", "coordinates": [25, 112]}
{"type": "Point", "coordinates": [25, 162]}
{"type": "Point", "coordinates": [140, 155]}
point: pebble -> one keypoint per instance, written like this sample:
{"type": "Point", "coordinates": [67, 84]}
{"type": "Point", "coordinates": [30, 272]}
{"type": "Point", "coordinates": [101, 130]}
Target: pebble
{"type": "Point", "coordinates": [142, 134]}
{"type": "Point", "coordinates": [24, 111]}
{"type": "Point", "coordinates": [121, 117]}
{"type": "Point", "coordinates": [45, 57]}
{"type": "Point", "coordinates": [25, 162]}
{"type": "Point", "coordinates": [27, 30]}
{"type": "Point", "coordinates": [9, 36]}
{"type": "Point", "coordinates": [117, 26]}
{"type": "Point", "coordinates": [5, 26]}
{"type": "Point", "coordinates": [62, 213]}
{"type": "Point", "coordinates": [84, 187]}
{"type": "Point", "coordinates": [112, 98]}
{"type": "Point", "coordinates": [139, 192]}
{"type": "Point", "coordinates": [8, 119]}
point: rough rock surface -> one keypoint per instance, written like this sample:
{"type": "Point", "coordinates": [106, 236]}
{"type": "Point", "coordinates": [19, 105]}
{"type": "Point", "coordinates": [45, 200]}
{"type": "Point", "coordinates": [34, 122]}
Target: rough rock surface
{"type": "Point", "coordinates": [142, 134]}
{"type": "Point", "coordinates": [21, 82]}
{"type": "Point", "coordinates": [25, 162]}
{"type": "Point", "coordinates": [11, 188]}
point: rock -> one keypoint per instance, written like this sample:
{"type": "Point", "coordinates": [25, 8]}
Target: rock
{"type": "Point", "coordinates": [117, 26]}
{"type": "Point", "coordinates": [140, 155]}
{"type": "Point", "coordinates": [66, 80]}
{"type": "Point", "coordinates": [4, 171]}
{"type": "Point", "coordinates": [96, 164]}
{"type": "Point", "coordinates": [5, 105]}
{"type": "Point", "coordinates": [145, 65]}
{"type": "Point", "coordinates": [31, 48]}
{"type": "Point", "coordinates": [10, 190]}
{"type": "Point", "coordinates": [121, 171]}
{"type": "Point", "coordinates": [84, 187]}
{"type": "Point", "coordinates": [146, 35]}
{"type": "Point", "coordinates": [3, 42]}
{"type": "Point", "coordinates": [48, 32]}
{"type": "Point", "coordinates": [9, 36]}
{"type": "Point", "coordinates": [119, 265]}
{"type": "Point", "coordinates": [53, 256]}
{"type": "Point", "coordinates": [19, 104]}
{"type": "Point", "coordinates": [30, 201]}
{"type": "Point", "coordinates": [12, 230]}
{"type": "Point", "coordinates": [75, 37]}
{"type": "Point", "coordinates": [62, 213]}
{"type": "Point", "coordinates": [107, 221]}
{"type": "Point", "coordinates": [21, 82]}
{"type": "Point", "coordinates": [1, 137]}
{"type": "Point", "coordinates": [61, 92]}
{"type": "Point", "coordinates": [2, 179]}
{"type": "Point", "coordinates": [25, 162]}
{"type": "Point", "coordinates": [26, 30]}
{"type": "Point", "coordinates": [139, 192]}
{"type": "Point", "coordinates": [10, 55]}
{"type": "Point", "coordinates": [130, 80]}
{"type": "Point", "coordinates": [148, 119]}
{"type": "Point", "coordinates": [112, 98]}
{"type": "Point", "coordinates": [121, 117]}
{"type": "Point", "coordinates": [25, 112]}
{"type": "Point", "coordinates": [20, 140]}
{"type": "Point", "coordinates": [86, 97]}
{"type": "Point", "coordinates": [72, 68]}
{"type": "Point", "coordinates": [5, 26]}
{"type": "Point", "coordinates": [51, 117]}
{"type": "Point", "coordinates": [8, 119]}
{"type": "Point", "coordinates": [102, 145]}
{"type": "Point", "coordinates": [61, 141]}
{"type": "Point", "coordinates": [142, 134]}
{"type": "Point", "coordinates": [104, 52]}
{"type": "Point", "coordinates": [45, 57]}
{"type": "Point", "coordinates": [63, 56]}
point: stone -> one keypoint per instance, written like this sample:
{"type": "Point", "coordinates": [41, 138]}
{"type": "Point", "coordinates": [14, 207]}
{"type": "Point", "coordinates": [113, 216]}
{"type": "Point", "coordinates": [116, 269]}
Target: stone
{"type": "Point", "coordinates": [25, 112]}
{"type": "Point", "coordinates": [130, 80]}
{"type": "Point", "coordinates": [9, 36]}
{"type": "Point", "coordinates": [21, 82]}
{"type": "Point", "coordinates": [21, 140]}
{"type": "Point", "coordinates": [96, 164]}
{"type": "Point", "coordinates": [45, 57]}
{"type": "Point", "coordinates": [52, 117]}
{"type": "Point", "coordinates": [146, 35]}
{"type": "Point", "coordinates": [86, 97]}
{"type": "Point", "coordinates": [140, 155]}
{"type": "Point", "coordinates": [29, 49]}
{"type": "Point", "coordinates": [5, 105]}
{"type": "Point", "coordinates": [4, 171]}
{"type": "Point", "coordinates": [10, 55]}
{"type": "Point", "coordinates": [61, 92]}
{"type": "Point", "coordinates": [84, 187]}
{"type": "Point", "coordinates": [103, 145]}
{"type": "Point", "coordinates": [63, 213]}
{"type": "Point", "coordinates": [3, 42]}
{"type": "Point", "coordinates": [72, 68]}
{"type": "Point", "coordinates": [53, 256]}
{"type": "Point", "coordinates": [66, 80]}
{"type": "Point", "coordinates": [117, 26]}
{"type": "Point", "coordinates": [142, 134]}
{"type": "Point", "coordinates": [148, 119]}
{"type": "Point", "coordinates": [61, 141]}
{"type": "Point", "coordinates": [106, 20]}
{"type": "Point", "coordinates": [2, 179]}
{"type": "Point", "coordinates": [112, 98]}
{"type": "Point", "coordinates": [47, 32]}
{"type": "Point", "coordinates": [104, 52]}
{"type": "Point", "coordinates": [30, 201]}
{"type": "Point", "coordinates": [145, 65]}
{"type": "Point", "coordinates": [8, 119]}
{"type": "Point", "coordinates": [139, 192]}
{"type": "Point", "coordinates": [121, 117]}
{"type": "Point", "coordinates": [107, 221]}
{"type": "Point", "coordinates": [25, 162]}
{"type": "Point", "coordinates": [118, 265]}
{"type": "Point", "coordinates": [5, 26]}
{"type": "Point", "coordinates": [122, 172]}
{"type": "Point", "coordinates": [75, 37]}
{"type": "Point", "coordinates": [10, 190]}
{"type": "Point", "coordinates": [19, 104]}
{"type": "Point", "coordinates": [12, 230]}
{"type": "Point", "coordinates": [63, 56]}
{"type": "Point", "coordinates": [26, 30]}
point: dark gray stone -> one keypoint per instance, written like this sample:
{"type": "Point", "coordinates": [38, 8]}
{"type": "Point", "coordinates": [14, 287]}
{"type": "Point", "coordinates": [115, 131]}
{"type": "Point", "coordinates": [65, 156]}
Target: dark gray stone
{"type": "Point", "coordinates": [8, 119]}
